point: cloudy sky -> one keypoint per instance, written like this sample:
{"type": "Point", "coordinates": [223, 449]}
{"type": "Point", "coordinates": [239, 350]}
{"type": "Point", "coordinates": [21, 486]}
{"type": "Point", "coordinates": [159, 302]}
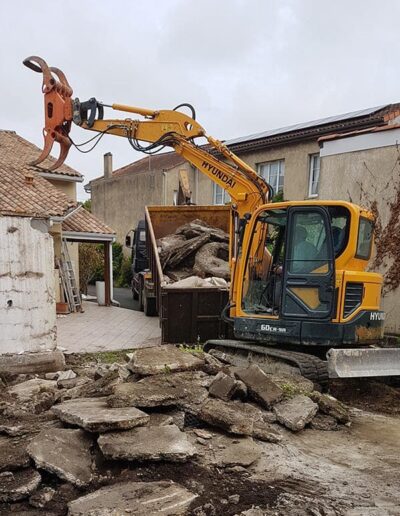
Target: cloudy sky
{"type": "Point", "coordinates": [246, 65]}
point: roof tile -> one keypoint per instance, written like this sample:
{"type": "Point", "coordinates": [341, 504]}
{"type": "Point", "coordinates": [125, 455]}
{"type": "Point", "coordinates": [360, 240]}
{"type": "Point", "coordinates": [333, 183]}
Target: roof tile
{"type": "Point", "coordinates": [21, 152]}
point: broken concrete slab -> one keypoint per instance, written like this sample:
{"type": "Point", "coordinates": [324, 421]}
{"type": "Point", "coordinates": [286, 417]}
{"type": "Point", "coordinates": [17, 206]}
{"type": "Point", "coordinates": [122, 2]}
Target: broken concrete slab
{"type": "Point", "coordinates": [34, 363]}
{"type": "Point", "coordinates": [25, 391]}
{"type": "Point", "coordinates": [163, 359]}
{"type": "Point", "coordinates": [147, 443]}
{"type": "Point", "coordinates": [94, 415]}
{"type": "Point", "coordinates": [139, 498]}
{"type": "Point", "coordinates": [324, 422]}
{"type": "Point", "coordinates": [243, 452]}
{"type": "Point", "coordinates": [231, 417]}
{"type": "Point", "coordinates": [179, 389]}
{"type": "Point", "coordinates": [66, 379]}
{"type": "Point", "coordinates": [87, 388]}
{"type": "Point", "coordinates": [261, 387]}
{"type": "Point", "coordinates": [296, 412]}
{"type": "Point", "coordinates": [18, 485]}
{"type": "Point", "coordinates": [331, 407]}
{"type": "Point", "coordinates": [223, 387]}
{"type": "Point", "coordinates": [64, 452]}
{"type": "Point", "coordinates": [13, 453]}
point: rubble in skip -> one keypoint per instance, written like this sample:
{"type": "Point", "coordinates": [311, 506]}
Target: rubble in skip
{"type": "Point", "coordinates": [196, 255]}
{"type": "Point", "coordinates": [91, 439]}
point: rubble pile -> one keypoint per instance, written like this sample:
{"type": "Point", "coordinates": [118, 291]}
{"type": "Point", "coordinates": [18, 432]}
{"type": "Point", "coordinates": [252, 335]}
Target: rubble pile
{"type": "Point", "coordinates": [196, 255]}
{"type": "Point", "coordinates": [129, 438]}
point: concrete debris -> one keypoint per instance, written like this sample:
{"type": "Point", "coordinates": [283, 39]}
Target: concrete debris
{"type": "Point", "coordinates": [66, 379]}
{"type": "Point", "coordinates": [166, 390]}
{"type": "Point", "coordinates": [240, 452]}
{"type": "Point", "coordinates": [139, 498]}
{"type": "Point", "coordinates": [94, 415]}
{"type": "Point", "coordinates": [190, 282]}
{"type": "Point", "coordinates": [42, 497]}
{"type": "Point", "coordinates": [211, 364]}
{"type": "Point", "coordinates": [198, 227]}
{"type": "Point", "coordinates": [64, 452]}
{"type": "Point", "coordinates": [147, 443]}
{"type": "Point", "coordinates": [13, 454]}
{"type": "Point", "coordinates": [323, 422]}
{"type": "Point", "coordinates": [18, 485]}
{"type": "Point", "coordinates": [296, 412]}
{"type": "Point", "coordinates": [163, 359]}
{"type": "Point", "coordinates": [261, 387]}
{"type": "Point", "coordinates": [86, 388]}
{"type": "Point", "coordinates": [331, 407]}
{"type": "Point", "coordinates": [229, 416]}
{"type": "Point", "coordinates": [179, 253]}
{"type": "Point", "coordinates": [202, 433]}
{"type": "Point", "coordinates": [25, 391]}
{"type": "Point", "coordinates": [223, 387]}
{"type": "Point", "coordinates": [212, 260]}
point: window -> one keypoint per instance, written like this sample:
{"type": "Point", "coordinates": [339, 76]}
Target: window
{"type": "Point", "coordinates": [364, 241]}
{"type": "Point", "coordinates": [273, 172]}
{"type": "Point", "coordinates": [221, 196]}
{"type": "Point", "coordinates": [314, 175]}
{"type": "Point", "coordinates": [308, 247]}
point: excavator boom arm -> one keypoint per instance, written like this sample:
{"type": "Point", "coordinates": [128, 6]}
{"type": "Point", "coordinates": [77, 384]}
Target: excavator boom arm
{"type": "Point", "coordinates": [164, 128]}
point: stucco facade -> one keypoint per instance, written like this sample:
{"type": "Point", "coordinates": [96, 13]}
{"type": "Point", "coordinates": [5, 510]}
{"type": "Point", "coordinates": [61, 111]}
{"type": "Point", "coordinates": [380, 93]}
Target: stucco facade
{"type": "Point", "coordinates": [27, 293]}
{"type": "Point", "coordinates": [365, 168]}
{"type": "Point", "coordinates": [120, 199]}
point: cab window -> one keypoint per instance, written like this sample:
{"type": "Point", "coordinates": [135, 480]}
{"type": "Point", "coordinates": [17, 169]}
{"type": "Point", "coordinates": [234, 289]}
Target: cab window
{"type": "Point", "coordinates": [364, 242]}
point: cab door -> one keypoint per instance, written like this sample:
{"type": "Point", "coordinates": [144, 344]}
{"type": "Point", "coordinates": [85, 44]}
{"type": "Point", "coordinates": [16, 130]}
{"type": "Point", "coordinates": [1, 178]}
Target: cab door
{"type": "Point", "coordinates": [308, 290]}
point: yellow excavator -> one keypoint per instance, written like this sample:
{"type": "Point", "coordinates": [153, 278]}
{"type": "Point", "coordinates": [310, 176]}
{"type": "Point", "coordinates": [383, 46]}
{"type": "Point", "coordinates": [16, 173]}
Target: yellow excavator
{"type": "Point", "coordinates": [300, 290]}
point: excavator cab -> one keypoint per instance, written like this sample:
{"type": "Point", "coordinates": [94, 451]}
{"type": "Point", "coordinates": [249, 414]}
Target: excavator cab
{"type": "Point", "coordinates": [304, 277]}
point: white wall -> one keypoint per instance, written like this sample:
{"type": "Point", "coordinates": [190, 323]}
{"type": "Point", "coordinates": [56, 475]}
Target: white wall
{"type": "Point", "coordinates": [27, 297]}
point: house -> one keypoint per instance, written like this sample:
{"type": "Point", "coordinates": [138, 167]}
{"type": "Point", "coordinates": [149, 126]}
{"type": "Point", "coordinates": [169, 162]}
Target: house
{"type": "Point", "coordinates": [38, 211]}
{"type": "Point", "coordinates": [119, 196]}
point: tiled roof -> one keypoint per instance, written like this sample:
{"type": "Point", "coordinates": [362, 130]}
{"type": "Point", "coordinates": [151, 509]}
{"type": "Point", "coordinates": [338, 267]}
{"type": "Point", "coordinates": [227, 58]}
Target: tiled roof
{"type": "Point", "coordinates": [82, 221]}
{"type": "Point", "coordinates": [25, 193]}
{"type": "Point", "coordinates": [20, 152]}
{"type": "Point", "coordinates": [163, 161]}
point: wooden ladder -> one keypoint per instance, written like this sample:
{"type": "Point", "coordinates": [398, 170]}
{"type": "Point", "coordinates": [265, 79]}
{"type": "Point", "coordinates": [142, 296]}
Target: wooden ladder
{"type": "Point", "coordinates": [68, 280]}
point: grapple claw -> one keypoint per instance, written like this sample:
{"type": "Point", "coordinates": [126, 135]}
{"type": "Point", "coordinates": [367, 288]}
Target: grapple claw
{"type": "Point", "coordinates": [57, 109]}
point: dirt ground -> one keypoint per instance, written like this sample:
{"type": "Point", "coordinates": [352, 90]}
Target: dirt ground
{"type": "Point", "coordinates": [353, 471]}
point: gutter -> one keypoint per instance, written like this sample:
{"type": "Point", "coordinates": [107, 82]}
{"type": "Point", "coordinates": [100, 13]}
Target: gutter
{"type": "Point", "coordinates": [92, 237]}
{"type": "Point", "coordinates": [61, 177]}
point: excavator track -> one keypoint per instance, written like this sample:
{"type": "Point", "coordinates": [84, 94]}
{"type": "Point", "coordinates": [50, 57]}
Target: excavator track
{"type": "Point", "coordinates": [310, 366]}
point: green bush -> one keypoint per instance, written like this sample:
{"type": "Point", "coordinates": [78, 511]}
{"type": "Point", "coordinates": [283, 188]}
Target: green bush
{"type": "Point", "coordinates": [125, 274]}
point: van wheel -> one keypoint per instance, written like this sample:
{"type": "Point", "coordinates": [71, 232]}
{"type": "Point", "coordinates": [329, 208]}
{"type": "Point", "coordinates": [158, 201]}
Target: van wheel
{"type": "Point", "coordinates": [149, 306]}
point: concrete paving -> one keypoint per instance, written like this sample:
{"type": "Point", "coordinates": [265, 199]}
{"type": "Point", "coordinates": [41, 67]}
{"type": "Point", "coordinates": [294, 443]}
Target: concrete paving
{"type": "Point", "coordinates": [106, 328]}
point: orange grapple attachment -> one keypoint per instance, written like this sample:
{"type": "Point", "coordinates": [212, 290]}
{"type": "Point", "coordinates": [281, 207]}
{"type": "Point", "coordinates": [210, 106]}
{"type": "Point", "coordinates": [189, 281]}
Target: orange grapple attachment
{"type": "Point", "coordinates": [57, 109]}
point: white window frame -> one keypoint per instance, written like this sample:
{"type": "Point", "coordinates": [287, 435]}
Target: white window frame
{"type": "Point", "coordinates": [220, 195]}
{"type": "Point", "coordinates": [311, 175]}
{"type": "Point", "coordinates": [264, 170]}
